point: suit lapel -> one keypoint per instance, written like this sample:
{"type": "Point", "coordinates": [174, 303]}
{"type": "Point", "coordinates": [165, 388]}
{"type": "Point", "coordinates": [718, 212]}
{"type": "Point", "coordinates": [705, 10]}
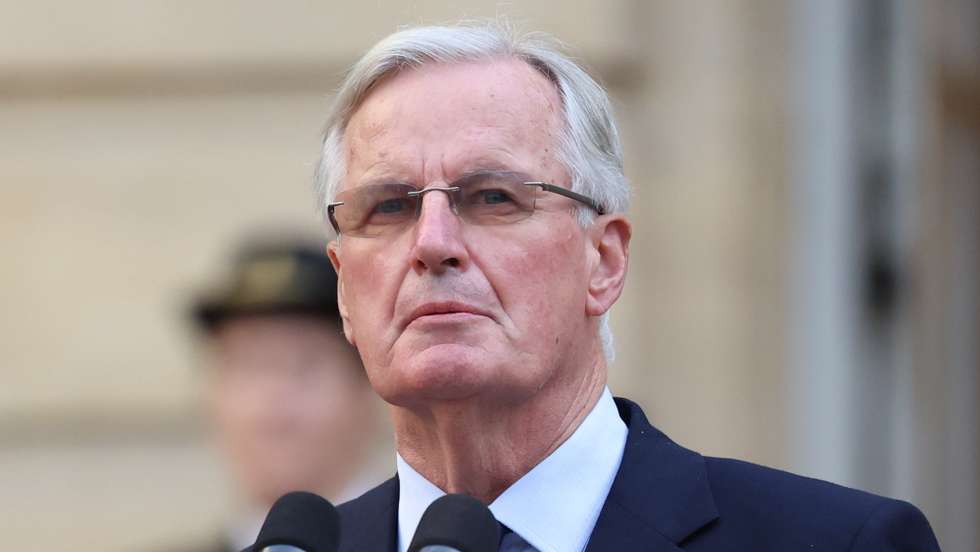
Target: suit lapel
{"type": "Point", "coordinates": [619, 528]}
{"type": "Point", "coordinates": [660, 495]}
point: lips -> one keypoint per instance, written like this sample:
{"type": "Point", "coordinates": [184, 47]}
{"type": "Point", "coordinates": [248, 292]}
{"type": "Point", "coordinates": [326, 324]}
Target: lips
{"type": "Point", "coordinates": [444, 308]}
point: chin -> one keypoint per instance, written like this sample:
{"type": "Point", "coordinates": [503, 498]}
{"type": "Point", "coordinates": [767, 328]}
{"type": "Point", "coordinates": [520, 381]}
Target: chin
{"type": "Point", "coordinates": [445, 372]}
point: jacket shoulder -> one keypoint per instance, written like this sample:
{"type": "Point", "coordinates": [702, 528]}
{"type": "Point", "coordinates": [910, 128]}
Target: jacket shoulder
{"type": "Point", "coordinates": [797, 511]}
{"type": "Point", "coordinates": [372, 502]}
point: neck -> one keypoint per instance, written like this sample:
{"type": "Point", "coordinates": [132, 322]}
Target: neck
{"type": "Point", "coordinates": [481, 447]}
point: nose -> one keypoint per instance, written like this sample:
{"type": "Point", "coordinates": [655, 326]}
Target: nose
{"type": "Point", "coordinates": [438, 242]}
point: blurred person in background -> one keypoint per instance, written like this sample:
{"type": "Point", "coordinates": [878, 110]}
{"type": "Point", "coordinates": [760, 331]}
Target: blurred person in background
{"type": "Point", "coordinates": [287, 395]}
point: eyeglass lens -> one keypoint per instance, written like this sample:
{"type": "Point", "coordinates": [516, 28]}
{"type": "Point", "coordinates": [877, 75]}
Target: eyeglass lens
{"type": "Point", "coordinates": [481, 199]}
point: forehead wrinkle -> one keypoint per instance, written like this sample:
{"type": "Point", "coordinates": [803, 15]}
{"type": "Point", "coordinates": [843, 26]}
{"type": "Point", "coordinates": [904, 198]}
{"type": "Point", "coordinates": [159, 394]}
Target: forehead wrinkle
{"type": "Point", "coordinates": [541, 108]}
{"type": "Point", "coordinates": [460, 166]}
{"type": "Point", "coordinates": [524, 113]}
{"type": "Point", "coordinates": [367, 127]}
{"type": "Point", "coordinates": [376, 163]}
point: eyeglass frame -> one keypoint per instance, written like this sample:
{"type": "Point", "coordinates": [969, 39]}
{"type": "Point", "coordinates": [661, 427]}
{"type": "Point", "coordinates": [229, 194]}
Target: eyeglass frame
{"type": "Point", "coordinates": [555, 189]}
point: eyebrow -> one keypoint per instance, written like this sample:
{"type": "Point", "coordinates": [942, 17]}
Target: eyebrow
{"type": "Point", "coordinates": [492, 172]}
{"type": "Point", "coordinates": [379, 180]}
{"type": "Point", "coordinates": [489, 169]}
{"type": "Point", "coordinates": [486, 164]}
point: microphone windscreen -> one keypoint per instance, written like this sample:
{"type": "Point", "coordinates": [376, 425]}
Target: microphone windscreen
{"type": "Point", "coordinates": [459, 522]}
{"type": "Point", "coordinates": [304, 520]}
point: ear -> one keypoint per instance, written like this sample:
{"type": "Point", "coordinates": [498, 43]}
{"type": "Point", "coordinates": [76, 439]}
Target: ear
{"type": "Point", "coordinates": [610, 236]}
{"type": "Point", "coordinates": [333, 252]}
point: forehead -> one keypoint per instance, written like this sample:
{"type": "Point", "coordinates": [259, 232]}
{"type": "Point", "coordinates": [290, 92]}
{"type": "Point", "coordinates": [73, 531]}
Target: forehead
{"type": "Point", "coordinates": [438, 117]}
{"type": "Point", "coordinates": [245, 330]}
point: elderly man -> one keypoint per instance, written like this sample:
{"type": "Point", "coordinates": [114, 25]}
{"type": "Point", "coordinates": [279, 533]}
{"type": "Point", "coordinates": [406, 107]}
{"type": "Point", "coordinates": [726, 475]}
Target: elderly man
{"type": "Point", "coordinates": [475, 180]}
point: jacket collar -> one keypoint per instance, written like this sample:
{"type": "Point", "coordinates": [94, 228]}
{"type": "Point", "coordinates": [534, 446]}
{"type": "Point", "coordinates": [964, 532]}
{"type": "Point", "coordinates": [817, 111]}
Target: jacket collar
{"type": "Point", "coordinates": [659, 498]}
{"type": "Point", "coordinates": [660, 495]}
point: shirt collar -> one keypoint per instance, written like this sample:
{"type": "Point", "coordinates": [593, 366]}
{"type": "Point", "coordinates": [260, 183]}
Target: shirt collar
{"type": "Point", "coordinates": [554, 507]}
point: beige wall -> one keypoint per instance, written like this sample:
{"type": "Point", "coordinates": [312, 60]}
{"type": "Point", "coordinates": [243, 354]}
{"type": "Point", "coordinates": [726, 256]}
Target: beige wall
{"type": "Point", "coordinates": [138, 139]}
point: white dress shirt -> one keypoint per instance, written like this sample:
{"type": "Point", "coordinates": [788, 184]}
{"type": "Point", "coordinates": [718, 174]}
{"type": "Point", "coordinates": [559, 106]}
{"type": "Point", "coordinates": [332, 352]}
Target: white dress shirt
{"type": "Point", "coordinates": [553, 507]}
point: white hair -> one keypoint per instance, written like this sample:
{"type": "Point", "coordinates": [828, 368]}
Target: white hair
{"type": "Point", "coordinates": [589, 146]}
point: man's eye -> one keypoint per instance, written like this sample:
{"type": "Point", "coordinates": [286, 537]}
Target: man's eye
{"type": "Point", "coordinates": [390, 206]}
{"type": "Point", "coordinates": [493, 197]}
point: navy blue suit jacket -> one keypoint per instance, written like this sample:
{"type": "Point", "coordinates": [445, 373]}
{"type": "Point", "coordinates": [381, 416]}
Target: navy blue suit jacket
{"type": "Point", "coordinates": [667, 498]}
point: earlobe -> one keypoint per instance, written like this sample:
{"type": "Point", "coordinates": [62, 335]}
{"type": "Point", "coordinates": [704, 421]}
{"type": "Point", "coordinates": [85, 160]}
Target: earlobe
{"type": "Point", "coordinates": [333, 254]}
{"type": "Point", "coordinates": [610, 239]}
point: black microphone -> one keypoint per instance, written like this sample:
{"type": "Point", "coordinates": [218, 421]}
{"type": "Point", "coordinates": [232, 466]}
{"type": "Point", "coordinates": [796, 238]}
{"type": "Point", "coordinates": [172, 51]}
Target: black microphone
{"type": "Point", "coordinates": [456, 523]}
{"type": "Point", "coordinates": [299, 522]}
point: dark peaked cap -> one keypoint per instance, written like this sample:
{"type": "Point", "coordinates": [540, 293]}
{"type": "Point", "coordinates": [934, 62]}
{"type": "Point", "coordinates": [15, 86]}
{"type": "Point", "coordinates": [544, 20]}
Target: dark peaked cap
{"type": "Point", "coordinates": [287, 278]}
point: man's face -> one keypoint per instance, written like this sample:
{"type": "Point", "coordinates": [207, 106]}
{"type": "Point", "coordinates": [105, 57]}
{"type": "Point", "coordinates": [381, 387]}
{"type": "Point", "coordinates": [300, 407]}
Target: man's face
{"type": "Point", "coordinates": [289, 405]}
{"type": "Point", "coordinates": [445, 310]}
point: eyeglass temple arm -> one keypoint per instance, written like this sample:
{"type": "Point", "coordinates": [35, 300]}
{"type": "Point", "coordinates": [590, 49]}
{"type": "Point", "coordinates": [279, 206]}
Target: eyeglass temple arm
{"type": "Point", "coordinates": [569, 194]}
{"type": "Point", "coordinates": [333, 218]}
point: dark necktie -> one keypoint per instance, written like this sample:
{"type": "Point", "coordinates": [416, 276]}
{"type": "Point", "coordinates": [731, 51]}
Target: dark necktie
{"type": "Point", "coordinates": [512, 542]}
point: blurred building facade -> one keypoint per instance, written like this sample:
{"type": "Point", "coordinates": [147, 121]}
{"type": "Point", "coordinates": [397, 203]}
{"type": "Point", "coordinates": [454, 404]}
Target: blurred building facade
{"type": "Point", "coordinates": [803, 290]}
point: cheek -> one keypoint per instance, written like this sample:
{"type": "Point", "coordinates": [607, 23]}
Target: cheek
{"type": "Point", "coordinates": [370, 288]}
{"type": "Point", "coordinates": [542, 283]}
{"type": "Point", "coordinates": [334, 405]}
{"type": "Point", "coordinates": [232, 408]}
